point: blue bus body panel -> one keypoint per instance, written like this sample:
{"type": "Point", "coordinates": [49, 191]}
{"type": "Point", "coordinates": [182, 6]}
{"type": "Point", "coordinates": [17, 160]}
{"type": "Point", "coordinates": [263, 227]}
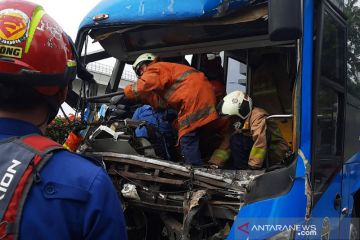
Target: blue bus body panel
{"type": "Point", "coordinates": [306, 81]}
{"type": "Point", "coordinates": [275, 211]}
{"type": "Point", "coordinates": [350, 185]}
{"type": "Point", "coordinates": [146, 11]}
{"type": "Point", "coordinates": [290, 209]}
{"type": "Point", "coordinates": [348, 178]}
{"type": "Point", "coordinates": [351, 181]}
{"type": "Point", "coordinates": [324, 212]}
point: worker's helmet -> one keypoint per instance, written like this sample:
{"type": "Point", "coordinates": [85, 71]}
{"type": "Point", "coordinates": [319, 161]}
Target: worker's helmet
{"type": "Point", "coordinates": [34, 50]}
{"type": "Point", "coordinates": [236, 103]}
{"type": "Point", "coordinates": [143, 58]}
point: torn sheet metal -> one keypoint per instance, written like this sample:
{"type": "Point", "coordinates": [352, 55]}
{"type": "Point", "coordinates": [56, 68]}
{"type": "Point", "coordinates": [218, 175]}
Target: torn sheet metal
{"type": "Point", "coordinates": [308, 187]}
{"type": "Point", "coordinates": [231, 180]}
{"type": "Point", "coordinates": [195, 198]}
{"type": "Point", "coordinates": [185, 198]}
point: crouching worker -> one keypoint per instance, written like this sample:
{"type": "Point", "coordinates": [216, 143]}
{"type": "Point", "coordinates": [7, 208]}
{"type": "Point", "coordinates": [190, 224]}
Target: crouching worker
{"type": "Point", "coordinates": [170, 85]}
{"type": "Point", "coordinates": [46, 192]}
{"type": "Point", "coordinates": [252, 139]}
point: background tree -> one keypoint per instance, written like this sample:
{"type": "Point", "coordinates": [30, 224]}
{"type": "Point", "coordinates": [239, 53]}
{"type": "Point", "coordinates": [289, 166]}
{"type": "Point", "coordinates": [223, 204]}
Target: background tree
{"type": "Point", "coordinates": [352, 12]}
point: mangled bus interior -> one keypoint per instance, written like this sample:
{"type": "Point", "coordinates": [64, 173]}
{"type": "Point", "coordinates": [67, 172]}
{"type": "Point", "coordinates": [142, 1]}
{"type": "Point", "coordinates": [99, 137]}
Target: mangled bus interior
{"type": "Point", "coordinates": [164, 198]}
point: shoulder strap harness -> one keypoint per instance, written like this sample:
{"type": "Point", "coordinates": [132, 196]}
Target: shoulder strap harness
{"type": "Point", "coordinates": [21, 160]}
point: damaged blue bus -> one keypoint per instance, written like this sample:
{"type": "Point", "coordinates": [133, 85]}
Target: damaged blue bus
{"type": "Point", "coordinates": [298, 59]}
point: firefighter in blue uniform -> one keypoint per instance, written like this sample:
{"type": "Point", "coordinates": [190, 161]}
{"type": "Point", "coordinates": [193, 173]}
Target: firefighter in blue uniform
{"type": "Point", "coordinates": [45, 192]}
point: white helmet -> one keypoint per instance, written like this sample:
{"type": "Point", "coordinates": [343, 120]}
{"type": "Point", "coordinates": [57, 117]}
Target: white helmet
{"type": "Point", "coordinates": [236, 103]}
{"type": "Point", "coordinates": [145, 57]}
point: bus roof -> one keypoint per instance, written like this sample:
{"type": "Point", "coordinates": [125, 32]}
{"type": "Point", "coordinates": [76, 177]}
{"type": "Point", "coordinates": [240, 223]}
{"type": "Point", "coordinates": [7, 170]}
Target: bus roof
{"type": "Point", "coordinates": [127, 28]}
{"type": "Point", "coordinates": [141, 11]}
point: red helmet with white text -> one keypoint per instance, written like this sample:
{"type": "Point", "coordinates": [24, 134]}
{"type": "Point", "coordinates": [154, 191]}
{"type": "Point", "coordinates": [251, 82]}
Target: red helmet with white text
{"type": "Point", "coordinates": [34, 50]}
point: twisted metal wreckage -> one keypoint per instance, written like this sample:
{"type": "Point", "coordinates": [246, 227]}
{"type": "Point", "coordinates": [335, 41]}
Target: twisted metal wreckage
{"type": "Point", "coordinates": [173, 189]}
{"type": "Point", "coordinates": [190, 201]}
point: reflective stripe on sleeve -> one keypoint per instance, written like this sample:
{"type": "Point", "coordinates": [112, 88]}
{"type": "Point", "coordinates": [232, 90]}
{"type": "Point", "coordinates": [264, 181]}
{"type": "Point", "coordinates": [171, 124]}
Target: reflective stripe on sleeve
{"type": "Point", "coordinates": [258, 153]}
{"type": "Point", "coordinates": [196, 116]}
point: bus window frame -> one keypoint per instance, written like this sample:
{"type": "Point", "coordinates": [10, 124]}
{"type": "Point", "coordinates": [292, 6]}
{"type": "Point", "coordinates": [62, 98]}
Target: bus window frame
{"type": "Point", "coordinates": [326, 7]}
{"type": "Point", "coordinates": [115, 77]}
{"type": "Point", "coordinates": [227, 55]}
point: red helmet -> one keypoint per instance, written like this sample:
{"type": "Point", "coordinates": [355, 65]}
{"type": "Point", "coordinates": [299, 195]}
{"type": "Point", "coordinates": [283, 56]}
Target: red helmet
{"type": "Point", "coordinates": [34, 50]}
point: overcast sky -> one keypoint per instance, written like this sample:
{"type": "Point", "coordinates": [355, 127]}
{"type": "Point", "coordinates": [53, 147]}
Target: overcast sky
{"type": "Point", "coordinates": [68, 13]}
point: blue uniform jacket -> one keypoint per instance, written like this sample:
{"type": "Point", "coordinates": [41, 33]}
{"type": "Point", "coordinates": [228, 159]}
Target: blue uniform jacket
{"type": "Point", "coordinates": [154, 118]}
{"type": "Point", "coordinates": [74, 200]}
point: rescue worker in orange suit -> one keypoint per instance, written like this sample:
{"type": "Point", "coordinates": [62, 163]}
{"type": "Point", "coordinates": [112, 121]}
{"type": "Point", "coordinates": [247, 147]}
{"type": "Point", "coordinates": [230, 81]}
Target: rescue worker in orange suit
{"type": "Point", "coordinates": [182, 88]}
{"type": "Point", "coordinates": [46, 192]}
{"type": "Point", "coordinates": [253, 140]}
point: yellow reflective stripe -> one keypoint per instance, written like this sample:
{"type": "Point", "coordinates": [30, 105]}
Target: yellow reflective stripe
{"type": "Point", "coordinates": [35, 20]}
{"type": "Point", "coordinates": [222, 154]}
{"type": "Point", "coordinates": [134, 90]}
{"type": "Point", "coordinates": [204, 112]}
{"type": "Point", "coordinates": [71, 63]}
{"type": "Point", "coordinates": [177, 82]}
{"type": "Point", "coordinates": [258, 153]}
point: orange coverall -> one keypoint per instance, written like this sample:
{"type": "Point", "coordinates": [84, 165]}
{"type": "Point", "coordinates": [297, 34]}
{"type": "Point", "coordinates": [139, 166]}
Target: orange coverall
{"type": "Point", "coordinates": [180, 87]}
